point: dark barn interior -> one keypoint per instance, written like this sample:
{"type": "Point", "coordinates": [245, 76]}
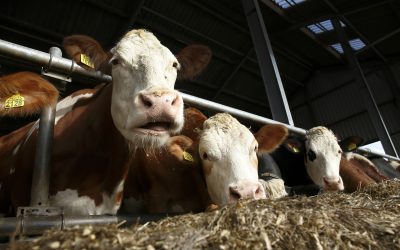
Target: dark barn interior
{"type": "Point", "coordinates": [320, 85]}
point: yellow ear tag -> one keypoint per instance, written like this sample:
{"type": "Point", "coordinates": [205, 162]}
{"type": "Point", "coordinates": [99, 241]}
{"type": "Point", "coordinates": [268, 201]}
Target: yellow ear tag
{"type": "Point", "coordinates": [87, 61]}
{"type": "Point", "coordinates": [294, 148]}
{"type": "Point", "coordinates": [14, 101]}
{"type": "Point", "coordinates": [187, 156]}
{"type": "Point", "coordinates": [351, 146]}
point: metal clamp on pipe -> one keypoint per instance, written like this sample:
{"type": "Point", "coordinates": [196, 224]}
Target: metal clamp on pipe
{"type": "Point", "coordinates": [46, 70]}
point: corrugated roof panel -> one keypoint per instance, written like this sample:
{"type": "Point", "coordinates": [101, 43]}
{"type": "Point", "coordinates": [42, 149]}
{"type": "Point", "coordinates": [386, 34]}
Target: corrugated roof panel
{"type": "Point", "coordinates": [359, 125]}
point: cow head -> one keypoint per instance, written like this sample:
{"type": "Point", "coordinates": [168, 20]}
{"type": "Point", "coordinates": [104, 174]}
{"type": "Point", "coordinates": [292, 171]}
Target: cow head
{"type": "Point", "coordinates": [228, 151]}
{"type": "Point", "coordinates": [322, 158]}
{"type": "Point", "coordinates": [145, 107]}
{"type": "Point", "coordinates": [322, 155]}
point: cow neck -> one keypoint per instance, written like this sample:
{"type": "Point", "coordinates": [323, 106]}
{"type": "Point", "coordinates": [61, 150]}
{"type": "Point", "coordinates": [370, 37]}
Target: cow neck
{"type": "Point", "coordinates": [98, 152]}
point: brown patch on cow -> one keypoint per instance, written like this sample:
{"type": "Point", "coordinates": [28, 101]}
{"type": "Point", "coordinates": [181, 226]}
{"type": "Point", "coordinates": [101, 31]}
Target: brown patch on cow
{"type": "Point", "coordinates": [164, 180]}
{"type": "Point", "coordinates": [118, 198]}
{"type": "Point", "coordinates": [193, 59]}
{"type": "Point", "coordinates": [270, 137]}
{"type": "Point", "coordinates": [353, 177]}
{"type": "Point", "coordinates": [367, 166]}
{"type": "Point", "coordinates": [37, 92]}
{"type": "Point", "coordinates": [75, 45]}
{"type": "Point", "coordinates": [194, 120]}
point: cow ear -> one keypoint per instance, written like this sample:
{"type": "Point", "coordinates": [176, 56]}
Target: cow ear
{"type": "Point", "coordinates": [87, 52]}
{"type": "Point", "coordinates": [194, 120]}
{"type": "Point", "coordinates": [294, 145]}
{"type": "Point", "coordinates": [182, 148]}
{"type": "Point", "coordinates": [193, 60]}
{"type": "Point", "coordinates": [270, 137]}
{"type": "Point", "coordinates": [350, 143]}
{"type": "Point", "coordinates": [25, 93]}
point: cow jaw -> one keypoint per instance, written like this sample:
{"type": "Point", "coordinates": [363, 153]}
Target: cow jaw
{"type": "Point", "coordinates": [145, 107]}
{"type": "Point", "coordinates": [322, 158]}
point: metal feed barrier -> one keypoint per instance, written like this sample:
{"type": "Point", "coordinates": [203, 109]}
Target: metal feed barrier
{"type": "Point", "coordinates": [37, 222]}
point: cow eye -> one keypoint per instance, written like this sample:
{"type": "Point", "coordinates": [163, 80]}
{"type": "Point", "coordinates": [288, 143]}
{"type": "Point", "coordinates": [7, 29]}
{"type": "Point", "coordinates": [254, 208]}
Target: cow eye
{"type": "Point", "coordinates": [311, 155]}
{"type": "Point", "coordinates": [114, 61]}
{"type": "Point", "coordinates": [340, 151]}
{"type": "Point", "coordinates": [205, 156]}
{"type": "Point", "coordinates": [175, 64]}
{"type": "Point", "coordinates": [255, 148]}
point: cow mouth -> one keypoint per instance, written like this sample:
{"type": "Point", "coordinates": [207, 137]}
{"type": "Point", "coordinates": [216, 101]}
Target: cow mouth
{"type": "Point", "coordinates": [155, 127]}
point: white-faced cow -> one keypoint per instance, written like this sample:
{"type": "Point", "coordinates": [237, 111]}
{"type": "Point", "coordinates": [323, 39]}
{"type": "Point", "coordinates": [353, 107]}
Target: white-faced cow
{"type": "Point", "coordinates": [96, 130]}
{"type": "Point", "coordinates": [228, 151]}
{"type": "Point", "coordinates": [180, 178]}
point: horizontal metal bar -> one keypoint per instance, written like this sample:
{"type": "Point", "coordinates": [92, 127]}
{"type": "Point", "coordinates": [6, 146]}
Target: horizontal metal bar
{"type": "Point", "coordinates": [209, 105]}
{"type": "Point", "coordinates": [41, 58]}
{"type": "Point", "coordinates": [35, 225]}
{"type": "Point", "coordinates": [64, 65]}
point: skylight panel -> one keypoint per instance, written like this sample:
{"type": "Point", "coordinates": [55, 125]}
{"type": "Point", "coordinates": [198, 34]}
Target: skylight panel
{"type": "Point", "coordinates": [318, 28]}
{"type": "Point", "coordinates": [284, 4]}
{"type": "Point", "coordinates": [356, 44]}
{"type": "Point", "coordinates": [337, 47]}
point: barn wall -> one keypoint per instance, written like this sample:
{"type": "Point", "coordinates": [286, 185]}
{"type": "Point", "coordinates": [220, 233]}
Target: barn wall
{"type": "Point", "coordinates": [334, 101]}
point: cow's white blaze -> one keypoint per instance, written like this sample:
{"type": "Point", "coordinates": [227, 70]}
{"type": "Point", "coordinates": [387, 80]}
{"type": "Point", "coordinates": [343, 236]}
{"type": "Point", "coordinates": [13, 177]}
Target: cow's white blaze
{"type": "Point", "coordinates": [144, 74]}
{"type": "Point", "coordinates": [228, 151]}
{"type": "Point", "coordinates": [323, 155]}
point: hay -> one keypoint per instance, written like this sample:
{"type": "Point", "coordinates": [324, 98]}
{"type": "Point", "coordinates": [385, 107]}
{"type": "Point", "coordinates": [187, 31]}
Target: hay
{"type": "Point", "coordinates": [363, 220]}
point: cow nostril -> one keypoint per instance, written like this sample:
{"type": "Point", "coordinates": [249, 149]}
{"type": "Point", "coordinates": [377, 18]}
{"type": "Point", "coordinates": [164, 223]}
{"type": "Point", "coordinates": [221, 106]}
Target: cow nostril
{"type": "Point", "coordinates": [174, 101]}
{"type": "Point", "coordinates": [146, 101]}
{"type": "Point", "coordinates": [234, 194]}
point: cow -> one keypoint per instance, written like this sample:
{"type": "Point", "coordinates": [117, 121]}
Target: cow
{"type": "Point", "coordinates": [180, 178]}
{"type": "Point", "coordinates": [96, 131]}
{"type": "Point", "coordinates": [314, 158]}
{"type": "Point", "coordinates": [305, 163]}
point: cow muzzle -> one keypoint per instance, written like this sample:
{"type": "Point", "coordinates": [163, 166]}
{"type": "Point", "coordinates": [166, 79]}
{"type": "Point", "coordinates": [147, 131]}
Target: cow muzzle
{"type": "Point", "coordinates": [246, 190]}
{"type": "Point", "coordinates": [162, 109]}
{"type": "Point", "coordinates": [332, 183]}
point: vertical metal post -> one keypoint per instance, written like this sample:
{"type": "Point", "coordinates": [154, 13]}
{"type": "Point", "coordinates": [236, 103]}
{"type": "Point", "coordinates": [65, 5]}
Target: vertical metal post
{"type": "Point", "coordinates": [266, 59]}
{"type": "Point", "coordinates": [365, 90]}
{"type": "Point", "coordinates": [41, 170]}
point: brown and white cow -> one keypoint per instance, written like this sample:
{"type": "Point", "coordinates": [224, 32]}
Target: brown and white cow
{"type": "Point", "coordinates": [228, 151]}
{"type": "Point", "coordinates": [96, 130]}
{"type": "Point", "coordinates": [177, 179]}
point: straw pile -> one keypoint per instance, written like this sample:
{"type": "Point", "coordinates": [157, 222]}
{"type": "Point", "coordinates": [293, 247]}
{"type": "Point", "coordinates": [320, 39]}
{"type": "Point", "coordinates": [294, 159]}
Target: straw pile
{"type": "Point", "coordinates": [363, 220]}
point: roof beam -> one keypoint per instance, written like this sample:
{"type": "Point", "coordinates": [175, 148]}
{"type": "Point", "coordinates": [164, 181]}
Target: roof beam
{"type": "Point", "coordinates": [324, 17]}
{"type": "Point", "coordinates": [349, 24]}
{"type": "Point", "coordinates": [365, 90]}
{"type": "Point", "coordinates": [308, 33]}
{"type": "Point", "coordinates": [383, 38]}
{"type": "Point", "coordinates": [232, 74]}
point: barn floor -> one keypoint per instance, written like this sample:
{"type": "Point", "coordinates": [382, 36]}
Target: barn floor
{"type": "Point", "coordinates": [363, 220]}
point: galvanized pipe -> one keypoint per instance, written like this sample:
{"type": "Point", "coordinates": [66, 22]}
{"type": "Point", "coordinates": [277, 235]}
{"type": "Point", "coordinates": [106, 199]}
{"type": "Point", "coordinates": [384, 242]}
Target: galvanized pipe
{"type": "Point", "coordinates": [41, 170]}
{"type": "Point", "coordinates": [42, 58]}
{"type": "Point", "coordinates": [36, 225]}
